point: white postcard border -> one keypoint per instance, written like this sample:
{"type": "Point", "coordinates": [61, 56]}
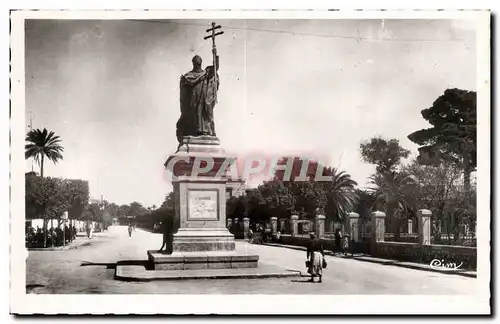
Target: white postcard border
{"type": "Point", "coordinates": [238, 304]}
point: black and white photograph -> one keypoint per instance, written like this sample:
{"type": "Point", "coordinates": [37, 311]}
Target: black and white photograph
{"type": "Point", "coordinates": [342, 158]}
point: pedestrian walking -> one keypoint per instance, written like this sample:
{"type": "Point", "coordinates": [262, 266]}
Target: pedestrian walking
{"type": "Point", "coordinates": [338, 241]}
{"type": "Point", "coordinates": [129, 230]}
{"type": "Point", "coordinates": [345, 244]}
{"type": "Point", "coordinates": [315, 258]}
{"type": "Point", "coordinates": [278, 235]}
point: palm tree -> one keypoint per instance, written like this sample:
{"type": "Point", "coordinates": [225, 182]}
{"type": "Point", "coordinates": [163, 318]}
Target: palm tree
{"type": "Point", "coordinates": [364, 203]}
{"type": "Point", "coordinates": [43, 143]}
{"type": "Point", "coordinates": [394, 192]}
{"type": "Point", "coordinates": [341, 196]}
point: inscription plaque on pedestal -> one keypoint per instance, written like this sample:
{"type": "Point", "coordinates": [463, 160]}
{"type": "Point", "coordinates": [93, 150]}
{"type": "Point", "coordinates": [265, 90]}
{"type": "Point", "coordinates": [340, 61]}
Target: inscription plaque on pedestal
{"type": "Point", "coordinates": [203, 205]}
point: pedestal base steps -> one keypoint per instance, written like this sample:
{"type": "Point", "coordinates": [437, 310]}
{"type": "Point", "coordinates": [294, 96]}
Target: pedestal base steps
{"type": "Point", "coordinates": [202, 260]}
{"type": "Point", "coordinates": [203, 240]}
{"type": "Point", "coordinates": [140, 274]}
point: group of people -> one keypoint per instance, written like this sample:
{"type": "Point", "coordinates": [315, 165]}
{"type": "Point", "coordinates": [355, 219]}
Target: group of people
{"type": "Point", "coordinates": [341, 242]}
{"type": "Point", "coordinates": [55, 236]}
{"type": "Point", "coordinates": [261, 235]}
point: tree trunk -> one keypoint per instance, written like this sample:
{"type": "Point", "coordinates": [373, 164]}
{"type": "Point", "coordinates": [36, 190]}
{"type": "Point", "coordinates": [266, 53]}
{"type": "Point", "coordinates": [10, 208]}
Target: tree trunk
{"type": "Point", "coordinates": [41, 166]}
{"type": "Point", "coordinates": [44, 233]}
{"type": "Point", "coordinates": [44, 220]}
{"type": "Point", "coordinates": [436, 231]}
{"type": "Point", "coordinates": [391, 219]}
{"type": "Point", "coordinates": [467, 173]}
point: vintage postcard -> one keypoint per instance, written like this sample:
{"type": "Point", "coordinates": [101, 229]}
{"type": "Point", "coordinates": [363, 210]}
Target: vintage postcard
{"type": "Point", "coordinates": [250, 162]}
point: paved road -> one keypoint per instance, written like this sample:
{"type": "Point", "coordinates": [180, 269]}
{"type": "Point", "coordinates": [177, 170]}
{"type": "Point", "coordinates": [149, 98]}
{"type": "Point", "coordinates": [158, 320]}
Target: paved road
{"type": "Point", "coordinates": [90, 269]}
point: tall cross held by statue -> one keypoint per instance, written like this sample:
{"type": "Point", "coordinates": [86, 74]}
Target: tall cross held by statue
{"type": "Point", "coordinates": [214, 51]}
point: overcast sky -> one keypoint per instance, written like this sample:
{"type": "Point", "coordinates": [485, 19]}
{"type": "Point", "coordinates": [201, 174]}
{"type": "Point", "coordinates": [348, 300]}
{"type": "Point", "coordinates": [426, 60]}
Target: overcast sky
{"type": "Point", "coordinates": [109, 89]}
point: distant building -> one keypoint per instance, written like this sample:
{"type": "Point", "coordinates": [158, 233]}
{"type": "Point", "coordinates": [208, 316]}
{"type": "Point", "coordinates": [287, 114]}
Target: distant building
{"type": "Point", "coordinates": [235, 188]}
{"type": "Point", "coordinates": [96, 200]}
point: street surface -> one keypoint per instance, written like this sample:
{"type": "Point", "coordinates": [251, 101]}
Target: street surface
{"type": "Point", "coordinates": [90, 269]}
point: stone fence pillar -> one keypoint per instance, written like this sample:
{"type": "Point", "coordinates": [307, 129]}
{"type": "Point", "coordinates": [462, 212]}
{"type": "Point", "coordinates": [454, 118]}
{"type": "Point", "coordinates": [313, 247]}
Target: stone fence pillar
{"type": "Point", "coordinates": [377, 226]}
{"type": "Point", "coordinates": [320, 226]}
{"type": "Point", "coordinates": [282, 225]}
{"type": "Point", "coordinates": [410, 226]}
{"type": "Point", "coordinates": [246, 226]}
{"type": "Point", "coordinates": [229, 223]}
{"type": "Point", "coordinates": [424, 226]}
{"type": "Point", "coordinates": [274, 225]}
{"type": "Point", "coordinates": [294, 226]}
{"type": "Point", "coordinates": [353, 226]}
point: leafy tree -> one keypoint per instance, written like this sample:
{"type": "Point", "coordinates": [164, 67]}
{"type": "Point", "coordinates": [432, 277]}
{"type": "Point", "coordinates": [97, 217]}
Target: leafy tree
{"type": "Point", "coordinates": [47, 198]}
{"type": "Point", "coordinates": [452, 136]}
{"type": "Point", "coordinates": [43, 144]}
{"type": "Point", "coordinates": [364, 203]}
{"type": "Point", "coordinates": [167, 209]}
{"type": "Point", "coordinates": [310, 196]}
{"type": "Point", "coordinates": [341, 197]}
{"type": "Point", "coordinates": [237, 207]}
{"type": "Point", "coordinates": [93, 213]}
{"type": "Point", "coordinates": [78, 198]}
{"type": "Point", "coordinates": [169, 201]}
{"type": "Point", "coordinates": [386, 154]}
{"type": "Point", "coordinates": [278, 197]}
{"type": "Point", "coordinates": [113, 210]}
{"type": "Point", "coordinates": [390, 185]}
{"type": "Point", "coordinates": [124, 211]}
{"type": "Point", "coordinates": [439, 190]}
{"type": "Point", "coordinates": [139, 212]}
{"type": "Point", "coordinates": [395, 193]}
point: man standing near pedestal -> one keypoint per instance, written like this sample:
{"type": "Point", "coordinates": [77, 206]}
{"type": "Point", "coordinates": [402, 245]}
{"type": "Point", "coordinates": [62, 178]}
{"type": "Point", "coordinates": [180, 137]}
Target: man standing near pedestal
{"type": "Point", "coordinates": [167, 228]}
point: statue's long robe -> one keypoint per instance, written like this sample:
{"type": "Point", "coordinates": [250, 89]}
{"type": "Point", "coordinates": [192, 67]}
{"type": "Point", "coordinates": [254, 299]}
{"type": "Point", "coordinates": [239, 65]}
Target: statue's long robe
{"type": "Point", "coordinates": [198, 99]}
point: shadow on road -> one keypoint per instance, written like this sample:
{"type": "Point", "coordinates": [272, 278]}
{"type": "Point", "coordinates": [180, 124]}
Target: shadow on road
{"type": "Point", "coordinates": [31, 287]}
{"type": "Point", "coordinates": [301, 281]}
{"type": "Point", "coordinates": [112, 266]}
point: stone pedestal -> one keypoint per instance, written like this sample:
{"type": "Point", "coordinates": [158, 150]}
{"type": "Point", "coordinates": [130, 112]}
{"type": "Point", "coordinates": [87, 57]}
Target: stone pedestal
{"type": "Point", "coordinates": [424, 226]}
{"type": "Point", "coordinates": [353, 226]}
{"type": "Point", "coordinates": [202, 239]}
{"type": "Point", "coordinates": [294, 226]}
{"type": "Point", "coordinates": [320, 226]}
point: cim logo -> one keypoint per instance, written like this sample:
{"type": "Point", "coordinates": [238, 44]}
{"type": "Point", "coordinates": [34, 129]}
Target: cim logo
{"type": "Point", "coordinates": [441, 265]}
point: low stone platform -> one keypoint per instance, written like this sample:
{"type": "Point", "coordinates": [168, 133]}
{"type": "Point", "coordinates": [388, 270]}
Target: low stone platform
{"type": "Point", "coordinates": [139, 273]}
{"type": "Point", "coordinates": [202, 260]}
